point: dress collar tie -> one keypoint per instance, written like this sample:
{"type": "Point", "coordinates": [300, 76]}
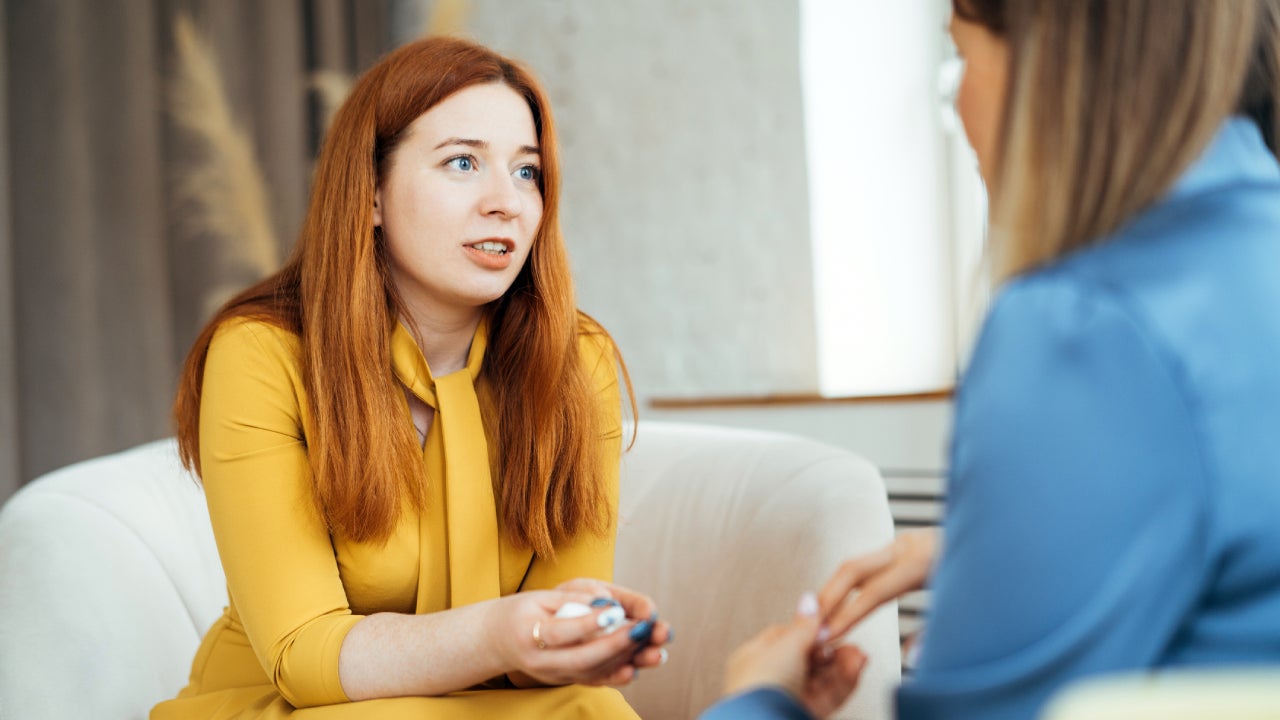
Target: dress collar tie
{"type": "Point", "coordinates": [470, 510]}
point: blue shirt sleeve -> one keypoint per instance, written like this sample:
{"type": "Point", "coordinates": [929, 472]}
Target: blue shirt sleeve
{"type": "Point", "coordinates": [1075, 528]}
{"type": "Point", "coordinates": [765, 703]}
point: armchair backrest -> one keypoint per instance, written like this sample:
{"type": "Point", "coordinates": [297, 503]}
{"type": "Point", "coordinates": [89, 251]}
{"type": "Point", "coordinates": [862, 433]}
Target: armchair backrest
{"type": "Point", "coordinates": [108, 579]}
{"type": "Point", "coordinates": [725, 528]}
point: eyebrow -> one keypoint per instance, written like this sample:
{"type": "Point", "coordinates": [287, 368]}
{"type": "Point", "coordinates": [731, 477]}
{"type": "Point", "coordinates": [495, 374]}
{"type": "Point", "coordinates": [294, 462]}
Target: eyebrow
{"type": "Point", "coordinates": [481, 144]}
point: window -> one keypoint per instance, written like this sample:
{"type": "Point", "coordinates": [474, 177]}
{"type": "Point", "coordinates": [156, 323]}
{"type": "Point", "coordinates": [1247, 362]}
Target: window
{"type": "Point", "coordinates": [896, 206]}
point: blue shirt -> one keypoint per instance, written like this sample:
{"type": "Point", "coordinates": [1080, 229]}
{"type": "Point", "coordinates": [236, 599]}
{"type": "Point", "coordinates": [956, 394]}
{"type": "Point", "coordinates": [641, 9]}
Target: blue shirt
{"type": "Point", "coordinates": [1115, 493]}
{"type": "Point", "coordinates": [763, 703]}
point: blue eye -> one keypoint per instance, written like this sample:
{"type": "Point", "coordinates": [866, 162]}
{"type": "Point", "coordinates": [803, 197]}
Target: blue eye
{"type": "Point", "coordinates": [465, 163]}
{"type": "Point", "coordinates": [529, 173]}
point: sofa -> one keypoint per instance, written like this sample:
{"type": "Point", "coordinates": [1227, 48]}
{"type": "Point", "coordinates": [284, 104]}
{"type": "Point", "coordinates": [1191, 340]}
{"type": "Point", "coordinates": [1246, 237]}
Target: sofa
{"type": "Point", "coordinates": [109, 575]}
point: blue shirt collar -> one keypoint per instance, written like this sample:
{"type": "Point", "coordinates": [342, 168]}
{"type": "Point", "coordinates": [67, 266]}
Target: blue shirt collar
{"type": "Point", "coordinates": [1236, 154]}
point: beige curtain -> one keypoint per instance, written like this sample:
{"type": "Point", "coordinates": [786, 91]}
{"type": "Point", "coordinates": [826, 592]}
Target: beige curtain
{"type": "Point", "coordinates": [104, 278]}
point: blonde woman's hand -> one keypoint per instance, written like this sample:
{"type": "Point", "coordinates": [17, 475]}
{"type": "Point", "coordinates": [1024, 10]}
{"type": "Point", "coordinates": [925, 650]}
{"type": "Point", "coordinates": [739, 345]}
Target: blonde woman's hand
{"type": "Point", "coordinates": [789, 657]}
{"type": "Point", "coordinates": [864, 583]}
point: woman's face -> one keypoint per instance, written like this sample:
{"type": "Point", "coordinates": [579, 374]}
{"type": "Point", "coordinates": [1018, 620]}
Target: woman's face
{"type": "Point", "coordinates": [460, 202]}
{"type": "Point", "coordinates": [983, 85]}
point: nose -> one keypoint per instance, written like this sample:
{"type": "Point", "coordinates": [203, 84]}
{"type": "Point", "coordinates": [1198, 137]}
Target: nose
{"type": "Point", "coordinates": [502, 197]}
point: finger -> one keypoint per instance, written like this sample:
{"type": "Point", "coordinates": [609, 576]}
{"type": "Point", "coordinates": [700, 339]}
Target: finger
{"type": "Point", "coordinates": [806, 620]}
{"type": "Point", "coordinates": [561, 632]}
{"type": "Point", "coordinates": [850, 575]}
{"type": "Point", "coordinates": [881, 588]}
{"type": "Point", "coordinates": [616, 678]}
{"type": "Point", "coordinates": [844, 663]}
{"type": "Point", "coordinates": [637, 605]}
{"type": "Point", "coordinates": [832, 682]}
{"type": "Point", "coordinates": [651, 656]}
{"type": "Point", "coordinates": [849, 662]}
{"type": "Point", "coordinates": [662, 634]}
{"type": "Point", "coordinates": [597, 654]}
{"type": "Point", "coordinates": [553, 600]}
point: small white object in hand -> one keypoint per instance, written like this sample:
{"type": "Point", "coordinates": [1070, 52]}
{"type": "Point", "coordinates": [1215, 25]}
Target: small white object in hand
{"type": "Point", "coordinates": [609, 620]}
{"type": "Point", "coordinates": [573, 610]}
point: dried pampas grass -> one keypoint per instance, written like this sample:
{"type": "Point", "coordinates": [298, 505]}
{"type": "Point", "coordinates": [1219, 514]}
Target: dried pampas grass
{"type": "Point", "coordinates": [331, 88]}
{"type": "Point", "coordinates": [221, 198]}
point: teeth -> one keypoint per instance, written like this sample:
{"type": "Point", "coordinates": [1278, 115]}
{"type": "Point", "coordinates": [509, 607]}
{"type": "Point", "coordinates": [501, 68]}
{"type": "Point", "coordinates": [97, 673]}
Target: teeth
{"type": "Point", "coordinates": [491, 247]}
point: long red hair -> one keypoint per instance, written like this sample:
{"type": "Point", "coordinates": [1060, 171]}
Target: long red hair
{"type": "Point", "coordinates": [335, 292]}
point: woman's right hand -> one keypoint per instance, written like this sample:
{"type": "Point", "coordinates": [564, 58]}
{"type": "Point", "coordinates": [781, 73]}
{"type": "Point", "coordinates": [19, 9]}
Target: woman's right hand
{"type": "Point", "coordinates": [572, 650]}
{"type": "Point", "coordinates": [877, 578]}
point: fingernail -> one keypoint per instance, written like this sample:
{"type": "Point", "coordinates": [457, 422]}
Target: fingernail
{"type": "Point", "coordinates": [824, 634]}
{"type": "Point", "coordinates": [604, 601]}
{"type": "Point", "coordinates": [808, 605]}
{"type": "Point", "coordinates": [662, 656]}
{"type": "Point", "coordinates": [641, 630]}
{"type": "Point", "coordinates": [671, 635]}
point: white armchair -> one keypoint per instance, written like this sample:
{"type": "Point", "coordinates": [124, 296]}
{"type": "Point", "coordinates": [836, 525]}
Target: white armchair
{"type": "Point", "coordinates": [109, 575]}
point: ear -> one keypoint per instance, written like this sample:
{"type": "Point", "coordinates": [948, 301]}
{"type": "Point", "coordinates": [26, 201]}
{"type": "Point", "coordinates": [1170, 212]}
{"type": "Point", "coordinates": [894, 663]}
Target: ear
{"type": "Point", "coordinates": [377, 207]}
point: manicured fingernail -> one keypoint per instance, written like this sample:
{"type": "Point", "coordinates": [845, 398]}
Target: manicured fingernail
{"type": "Point", "coordinates": [641, 630]}
{"type": "Point", "coordinates": [662, 656]}
{"type": "Point", "coordinates": [824, 634]}
{"type": "Point", "coordinates": [671, 635]}
{"type": "Point", "coordinates": [808, 604]}
{"type": "Point", "coordinates": [604, 601]}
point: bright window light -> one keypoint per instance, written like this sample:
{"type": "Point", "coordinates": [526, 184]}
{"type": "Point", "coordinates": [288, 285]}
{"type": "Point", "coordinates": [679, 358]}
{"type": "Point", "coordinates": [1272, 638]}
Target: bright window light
{"type": "Point", "coordinates": [895, 205]}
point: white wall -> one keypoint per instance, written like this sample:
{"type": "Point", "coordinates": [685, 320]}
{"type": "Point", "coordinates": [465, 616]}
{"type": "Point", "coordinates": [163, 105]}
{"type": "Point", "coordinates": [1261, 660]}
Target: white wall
{"type": "Point", "coordinates": [898, 437]}
{"type": "Point", "coordinates": [685, 203]}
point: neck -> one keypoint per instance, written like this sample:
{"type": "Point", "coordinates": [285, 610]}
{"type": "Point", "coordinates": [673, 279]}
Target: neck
{"type": "Point", "coordinates": [445, 340]}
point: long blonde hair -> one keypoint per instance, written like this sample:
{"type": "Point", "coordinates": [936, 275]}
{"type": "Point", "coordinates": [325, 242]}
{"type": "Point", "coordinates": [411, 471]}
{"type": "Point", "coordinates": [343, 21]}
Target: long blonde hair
{"type": "Point", "coordinates": [1108, 102]}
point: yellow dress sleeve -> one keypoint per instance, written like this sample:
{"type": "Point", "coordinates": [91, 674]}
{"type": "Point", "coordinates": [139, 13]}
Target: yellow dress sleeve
{"type": "Point", "coordinates": [590, 555]}
{"type": "Point", "coordinates": [282, 575]}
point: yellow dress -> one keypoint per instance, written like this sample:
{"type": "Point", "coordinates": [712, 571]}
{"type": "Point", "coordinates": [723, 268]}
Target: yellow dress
{"type": "Point", "coordinates": [295, 590]}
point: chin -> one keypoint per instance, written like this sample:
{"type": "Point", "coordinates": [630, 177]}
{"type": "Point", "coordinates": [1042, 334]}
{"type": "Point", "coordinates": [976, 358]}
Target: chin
{"type": "Point", "coordinates": [481, 297]}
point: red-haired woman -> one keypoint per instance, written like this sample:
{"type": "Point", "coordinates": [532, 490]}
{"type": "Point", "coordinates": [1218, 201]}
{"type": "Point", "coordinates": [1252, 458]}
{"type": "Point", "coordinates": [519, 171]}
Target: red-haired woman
{"type": "Point", "coordinates": [409, 436]}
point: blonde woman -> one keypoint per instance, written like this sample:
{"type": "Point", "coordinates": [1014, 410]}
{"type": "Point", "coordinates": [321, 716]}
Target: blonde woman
{"type": "Point", "coordinates": [1114, 471]}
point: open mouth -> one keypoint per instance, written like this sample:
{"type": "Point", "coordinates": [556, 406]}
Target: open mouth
{"type": "Point", "coordinates": [492, 247]}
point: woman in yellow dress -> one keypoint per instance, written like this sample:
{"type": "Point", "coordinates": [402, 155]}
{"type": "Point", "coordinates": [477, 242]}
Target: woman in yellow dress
{"type": "Point", "coordinates": [409, 436]}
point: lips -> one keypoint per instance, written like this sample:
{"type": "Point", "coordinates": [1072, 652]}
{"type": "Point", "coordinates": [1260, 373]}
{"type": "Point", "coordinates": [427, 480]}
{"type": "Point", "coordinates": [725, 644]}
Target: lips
{"type": "Point", "coordinates": [491, 253]}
